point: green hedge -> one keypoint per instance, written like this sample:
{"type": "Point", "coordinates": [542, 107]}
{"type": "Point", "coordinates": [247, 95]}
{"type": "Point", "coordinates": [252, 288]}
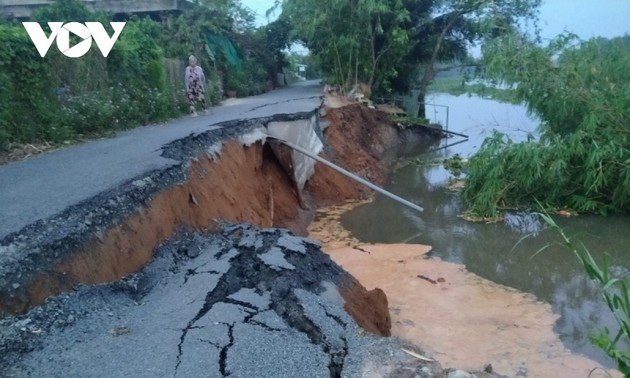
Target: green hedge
{"type": "Point", "coordinates": [57, 98]}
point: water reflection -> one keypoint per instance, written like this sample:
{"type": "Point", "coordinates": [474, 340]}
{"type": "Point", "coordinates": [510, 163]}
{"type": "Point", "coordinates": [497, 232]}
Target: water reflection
{"type": "Point", "coordinates": [525, 223]}
{"type": "Point", "coordinates": [501, 252]}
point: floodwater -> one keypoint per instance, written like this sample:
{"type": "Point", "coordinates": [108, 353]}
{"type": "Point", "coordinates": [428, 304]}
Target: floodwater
{"type": "Point", "coordinates": [501, 252]}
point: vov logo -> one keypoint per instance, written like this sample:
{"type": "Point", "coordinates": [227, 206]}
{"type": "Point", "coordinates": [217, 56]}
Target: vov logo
{"type": "Point", "coordinates": [61, 32]}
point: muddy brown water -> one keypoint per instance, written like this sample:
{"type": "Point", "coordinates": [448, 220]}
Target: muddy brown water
{"type": "Point", "coordinates": [493, 251]}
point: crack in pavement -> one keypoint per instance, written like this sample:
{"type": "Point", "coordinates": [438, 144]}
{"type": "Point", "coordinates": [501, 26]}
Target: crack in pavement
{"type": "Point", "coordinates": [334, 317]}
{"type": "Point", "coordinates": [218, 294]}
{"type": "Point", "coordinates": [209, 342]}
{"type": "Point", "coordinates": [224, 350]}
{"type": "Point", "coordinates": [344, 352]}
{"type": "Point", "coordinates": [248, 278]}
{"type": "Point", "coordinates": [281, 102]}
{"type": "Point", "coordinates": [287, 310]}
{"type": "Point", "coordinates": [222, 293]}
{"type": "Point", "coordinates": [264, 326]}
{"type": "Point", "coordinates": [194, 272]}
{"type": "Point", "coordinates": [248, 306]}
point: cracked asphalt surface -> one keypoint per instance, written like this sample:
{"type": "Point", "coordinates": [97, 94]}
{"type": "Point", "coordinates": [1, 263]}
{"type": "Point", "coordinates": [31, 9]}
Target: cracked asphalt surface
{"type": "Point", "coordinates": [45, 185]}
{"type": "Point", "coordinates": [230, 311]}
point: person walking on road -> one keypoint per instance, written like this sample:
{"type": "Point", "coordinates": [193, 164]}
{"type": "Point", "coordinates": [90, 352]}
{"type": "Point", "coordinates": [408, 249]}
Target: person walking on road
{"type": "Point", "coordinates": [195, 80]}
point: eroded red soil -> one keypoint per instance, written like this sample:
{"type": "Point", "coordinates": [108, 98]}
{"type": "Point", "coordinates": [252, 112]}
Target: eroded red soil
{"type": "Point", "coordinates": [243, 184]}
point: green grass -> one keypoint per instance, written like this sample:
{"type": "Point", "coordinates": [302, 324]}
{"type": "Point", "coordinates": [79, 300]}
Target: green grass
{"type": "Point", "coordinates": [457, 86]}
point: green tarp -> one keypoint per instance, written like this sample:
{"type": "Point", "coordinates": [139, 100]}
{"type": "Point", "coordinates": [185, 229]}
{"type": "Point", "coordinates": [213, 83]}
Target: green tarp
{"type": "Point", "coordinates": [220, 45]}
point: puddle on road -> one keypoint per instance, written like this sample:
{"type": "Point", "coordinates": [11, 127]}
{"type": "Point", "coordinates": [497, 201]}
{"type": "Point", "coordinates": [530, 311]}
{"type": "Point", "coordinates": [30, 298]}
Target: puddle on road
{"type": "Point", "coordinates": [457, 317]}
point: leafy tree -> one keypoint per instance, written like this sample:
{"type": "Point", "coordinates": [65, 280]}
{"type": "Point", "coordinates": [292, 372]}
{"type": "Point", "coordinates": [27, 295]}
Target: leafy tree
{"type": "Point", "coordinates": [184, 34]}
{"type": "Point", "coordinates": [73, 74]}
{"type": "Point", "coordinates": [353, 40]}
{"type": "Point", "coordinates": [580, 90]}
{"type": "Point", "coordinates": [454, 24]}
{"type": "Point", "coordinates": [260, 50]}
{"type": "Point", "coordinates": [418, 26]}
{"type": "Point", "coordinates": [136, 59]}
{"type": "Point", "coordinates": [277, 40]}
{"type": "Point", "coordinates": [66, 11]}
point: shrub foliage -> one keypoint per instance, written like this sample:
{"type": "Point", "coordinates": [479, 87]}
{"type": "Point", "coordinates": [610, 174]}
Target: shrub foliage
{"type": "Point", "coordinates": [55, 98]}
{"type": "Point", "coordinates": [581, 92]}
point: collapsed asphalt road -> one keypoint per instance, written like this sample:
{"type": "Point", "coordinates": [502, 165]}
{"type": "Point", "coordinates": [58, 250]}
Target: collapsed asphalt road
{"type": "Point", "coordinates": [241, 303]}
{"type": "Point", "coordinates": [237, 301]}
{"type": "Point", "coordinates": [248, 305]}
{"type": "Point", "coordinates": [47, 184]}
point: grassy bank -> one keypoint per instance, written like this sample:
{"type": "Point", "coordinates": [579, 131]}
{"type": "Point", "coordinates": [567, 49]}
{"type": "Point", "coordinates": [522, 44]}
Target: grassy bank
{"type": "Point", "coordinates": [459, 85]}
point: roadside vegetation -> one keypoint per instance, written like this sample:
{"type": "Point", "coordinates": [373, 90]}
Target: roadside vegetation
{"type": "Point", "coordinates": [55, 100]}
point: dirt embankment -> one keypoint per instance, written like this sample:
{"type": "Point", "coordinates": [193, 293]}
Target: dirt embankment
{"type": "Point", "coordinates": [219, 178]}
{"type": "Point", "coordinates": [358, 139]}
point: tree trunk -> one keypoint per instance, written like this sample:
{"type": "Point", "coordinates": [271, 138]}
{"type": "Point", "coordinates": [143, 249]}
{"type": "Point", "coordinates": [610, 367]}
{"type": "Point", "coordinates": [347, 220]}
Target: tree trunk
{"type": "Point", "coordinates": [429, 70]}
{"type": "Point", "coordinates": [427, 77]}
{"type": "Point", "coordinates": [422, 109]}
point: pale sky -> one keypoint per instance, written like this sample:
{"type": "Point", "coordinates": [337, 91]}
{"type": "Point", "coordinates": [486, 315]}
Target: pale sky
{"type": "Point", "coordinates": [586, 18]}
{"type": "Point", "coordinates": [260, 7]}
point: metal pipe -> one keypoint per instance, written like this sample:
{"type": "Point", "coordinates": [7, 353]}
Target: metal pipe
{"type": "Point", "coordinates": [444, 147]}
{"type": "Point", "coordinates": [349, 174]}
{"type": "Point", "coordinates": [445, 131]}
{"type": "Point", "coordinates": [454, 133]}
{"type": "Point", "coordinates": [447, 115]}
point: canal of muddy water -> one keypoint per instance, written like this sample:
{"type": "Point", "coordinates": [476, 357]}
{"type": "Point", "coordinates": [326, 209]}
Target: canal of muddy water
{"type": "Point", "coordinates": [493, 251]}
